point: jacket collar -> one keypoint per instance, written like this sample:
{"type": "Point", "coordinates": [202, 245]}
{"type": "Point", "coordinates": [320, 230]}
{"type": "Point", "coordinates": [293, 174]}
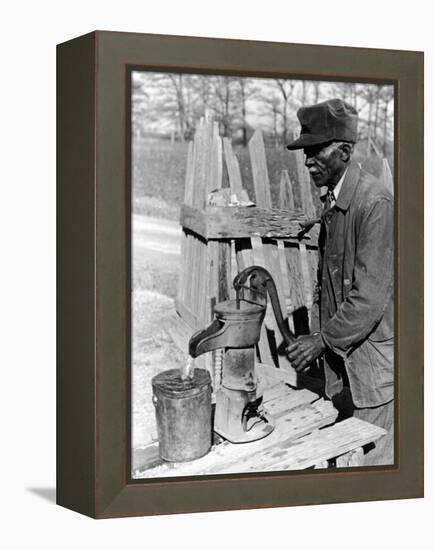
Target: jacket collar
{"type": "Point", "coordinates": [349, 185]}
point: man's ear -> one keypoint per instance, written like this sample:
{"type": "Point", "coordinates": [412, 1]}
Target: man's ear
{"type": "Point", "coordinates": [346, 149]}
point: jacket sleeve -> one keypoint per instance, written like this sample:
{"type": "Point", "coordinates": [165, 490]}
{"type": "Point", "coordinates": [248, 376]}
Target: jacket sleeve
{"type": "Point", "coordinates": [372, 282]}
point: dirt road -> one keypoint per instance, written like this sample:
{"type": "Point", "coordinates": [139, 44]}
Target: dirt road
{"type": "Point", "coordinates": [155, 257]}
{"type": "Point", "coordinates": [155, 254]}
{"type": "Point", "coordinates": [156, 235]}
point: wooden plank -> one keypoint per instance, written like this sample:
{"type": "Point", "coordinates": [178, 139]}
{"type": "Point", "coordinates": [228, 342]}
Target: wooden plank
{"type": "Point", "coordinates": [203, 275]}
{"type": "Point", "coordinates": [188, 191]}
{"type": "Point", "coordinates": [216, 160]}
{"type": "Point", "coordinates": [233, 169]}
{"type": "Point", "coordinates": [194, 275]}
{"type": "Point", "coordinates": [179, 331]}
{"type": "Point", "coordinates": [198, 165]}
{"type": "Point", "coordinates": [237, 222]}
{"type": "Point", "coordinates": [269, 320]}
{"type": "Point", "coordinates": [266, 254]}
{"type": "Point", "coordinates": [271, 253]}
{"type": "Point", "coordinates": [187, 315]}
{"type": "Point", "coordinates": [213, 260]}
{"type": "Point", "coordinates": [303, 180]}
{"type": "Point", "coordinates": [296, 288]}
{"type": "Point", "coordinates": [234, 270]}
{"type": "Point", "coordinates": [350, 459]}
{"type": "Point", "coordinates": [285, 276]}
{"type": "Point", "coordinates": [286, 200]}
{"type": "Point", "coordinates": [209, 162]}
{"type": "Point", "coordinates": [224, 270]}
{"type": "Point", "coordinates": [187, 267]}
{"type": "Point", "coordinates": [278, 393]}
{"type": "Point", "coordinates": [319, 446]}
{"type": "Point", "coordinates": [306, 276]}
{"type": "Point", "coordinates": [259, 170]}
{"type": "Point", "coordinates": [182, 268]}
{"type": "Point", "coordinates": [386, 175]}
{"type": "Point", "coordinates": [269, 375]}
{"type": "Point", "coordinates": [312, 256]}
{"type": "Point", "coordinates": [239, 458]}
{"type": "Point", "coordinates": [281, 393]}
{"type": "Point", "coordinates": [243, 253]}
{"type": "Point", "coordinates": [286, 194]}
{"type": "Point", "coordinates": [185, 245]}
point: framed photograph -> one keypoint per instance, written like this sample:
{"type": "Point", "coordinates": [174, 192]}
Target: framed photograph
{"type": "Point", "coordinates": [240, 274]}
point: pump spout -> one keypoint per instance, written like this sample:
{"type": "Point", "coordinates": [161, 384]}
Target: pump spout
{"type": "Point", "coordinates": [207, 339]}
{"type": "Point", "coordinates": [237, 325]}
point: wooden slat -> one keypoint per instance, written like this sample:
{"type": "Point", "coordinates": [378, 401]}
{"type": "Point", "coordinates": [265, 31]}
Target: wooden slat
{"type": "Point", "coordinates": [224, 270]}
{"type": "Point", "coordinates": [269, 376]}
{"type": "Point", "coordinates": [187, 315]}
{"type": "Point", "coordinates": [234, 270]}
{"type": "Point", "coordinates": [197, 276]}
{"type": "Point", "coordinates": [269, 321]}
{"type": "Point", "coordinates": [306, 452]}
{"type": "Point", "coordinates": [243, 251]}
{"type": "Point", "coordinates": [286, 195]}
{"type": "Point", "coordinates": [259, 170]}
{"type": "Point", "coordinates": [188, 263]}
{"type": "Point", "coordinates": [306, 276]}
{"type": "Point", "coordinates": [182, 268]}
{"type": "Point", "coordinates": [213, 292]}
{"type": "Point", "coordinates": [262, 252]}
{"type": "Point", "coordinates": [202, 280]}
{"type": "Point", "coordinates": [303, 180]}
{"type": "Point", "coordinates": [272, 264]}
{"type": "Point", "coordinates": [292, 254]}
{"type": "Point", "coordinates": [386, 175]}
{"type": "Point", "coordinates": [233, 168]}
{"type": "Point", "coordinates": [216, 160]}
{"type": "Point", "coordinates": [185, 245]}
{"type": "Point", "coordinates": [188, 191]}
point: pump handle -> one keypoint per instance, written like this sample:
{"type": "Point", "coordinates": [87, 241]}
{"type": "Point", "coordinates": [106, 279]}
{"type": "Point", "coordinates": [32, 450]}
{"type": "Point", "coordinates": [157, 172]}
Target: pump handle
{"type": "Point", "coordinates": [261, 281]}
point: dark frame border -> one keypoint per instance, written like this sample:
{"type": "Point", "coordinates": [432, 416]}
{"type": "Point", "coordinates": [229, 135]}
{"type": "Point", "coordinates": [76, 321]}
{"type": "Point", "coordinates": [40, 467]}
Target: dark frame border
{"type": "Point", "coordinates": [93, 327]}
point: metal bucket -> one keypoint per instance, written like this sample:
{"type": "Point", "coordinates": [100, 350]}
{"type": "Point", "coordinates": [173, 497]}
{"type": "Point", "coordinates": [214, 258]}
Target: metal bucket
{"type": "Point", "coordinates": [183, 412]}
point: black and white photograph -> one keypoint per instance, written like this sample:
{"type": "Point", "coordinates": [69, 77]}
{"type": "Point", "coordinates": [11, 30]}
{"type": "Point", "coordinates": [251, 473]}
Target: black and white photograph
{"type": "Point", "coordinates": [262, 274]}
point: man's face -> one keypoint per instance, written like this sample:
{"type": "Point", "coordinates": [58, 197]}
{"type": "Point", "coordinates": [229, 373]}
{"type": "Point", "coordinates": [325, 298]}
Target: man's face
{"type": "Point", "coordinates": [325, 163]}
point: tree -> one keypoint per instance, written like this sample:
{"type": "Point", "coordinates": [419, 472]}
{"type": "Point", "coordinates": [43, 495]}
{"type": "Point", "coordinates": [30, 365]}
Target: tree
{"type": "Point", "coordinates": [223, 88]}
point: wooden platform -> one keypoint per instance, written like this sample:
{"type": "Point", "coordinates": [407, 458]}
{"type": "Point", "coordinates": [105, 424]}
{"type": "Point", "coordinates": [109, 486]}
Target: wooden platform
{"type": "Point", "coordinates": [305, 436]}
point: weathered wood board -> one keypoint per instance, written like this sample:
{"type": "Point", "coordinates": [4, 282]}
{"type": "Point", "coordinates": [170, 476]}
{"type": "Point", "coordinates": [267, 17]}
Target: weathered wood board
{"type": "Point", "coordinates": [286, 454]}
{"type": "Point", "coordinates": [237, 222]}
{"type": "Point", "coordinates": [296, 413]}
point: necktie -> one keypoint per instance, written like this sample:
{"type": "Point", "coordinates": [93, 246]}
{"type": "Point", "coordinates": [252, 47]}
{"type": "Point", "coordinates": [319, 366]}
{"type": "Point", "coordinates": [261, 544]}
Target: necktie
{"type": "Point", "coordinates": [330, 200]}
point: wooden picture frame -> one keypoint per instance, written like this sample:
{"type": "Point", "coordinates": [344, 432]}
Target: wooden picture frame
{"type": "Point", "coordinates": [94, 258]}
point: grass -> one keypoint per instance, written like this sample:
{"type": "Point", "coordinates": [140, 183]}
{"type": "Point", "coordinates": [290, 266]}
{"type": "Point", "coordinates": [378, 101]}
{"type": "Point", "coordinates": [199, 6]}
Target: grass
{"type": "Point", "coordinates": [159, 176]}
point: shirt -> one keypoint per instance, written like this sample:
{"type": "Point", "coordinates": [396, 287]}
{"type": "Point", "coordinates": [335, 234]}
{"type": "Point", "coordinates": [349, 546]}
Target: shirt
{"type": "Point", "coordinates": [333, 194]}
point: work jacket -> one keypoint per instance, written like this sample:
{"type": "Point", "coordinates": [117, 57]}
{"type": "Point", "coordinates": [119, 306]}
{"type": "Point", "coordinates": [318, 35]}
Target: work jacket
{"type": "Point", "coordinates": [356, 265]}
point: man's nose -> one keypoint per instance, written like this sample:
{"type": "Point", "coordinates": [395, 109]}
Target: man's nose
{"type": "Point", "coordinates": [308, 161]}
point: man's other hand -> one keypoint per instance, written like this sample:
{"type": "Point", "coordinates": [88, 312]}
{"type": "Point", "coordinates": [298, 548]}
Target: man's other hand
{"type": "Point", "coordinates": [305, 350]}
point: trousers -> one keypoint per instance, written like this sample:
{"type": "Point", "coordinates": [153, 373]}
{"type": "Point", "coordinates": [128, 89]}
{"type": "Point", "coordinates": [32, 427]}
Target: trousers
{"type": "Point", "coordinates": [382, 451]}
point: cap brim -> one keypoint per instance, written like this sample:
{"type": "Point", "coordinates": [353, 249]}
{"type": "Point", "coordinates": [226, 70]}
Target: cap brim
{"type": "Point", "coordinates": [307, 140]}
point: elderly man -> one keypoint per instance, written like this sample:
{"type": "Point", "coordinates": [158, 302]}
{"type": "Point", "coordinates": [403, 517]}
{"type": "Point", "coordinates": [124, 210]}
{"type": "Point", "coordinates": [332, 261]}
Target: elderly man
{"type": "Point", "coordinates": [355, 273]}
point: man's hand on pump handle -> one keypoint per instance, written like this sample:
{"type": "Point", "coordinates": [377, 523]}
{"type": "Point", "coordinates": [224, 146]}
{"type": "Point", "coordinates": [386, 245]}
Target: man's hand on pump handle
{"type": "Point", "coordinates": [305, 350]}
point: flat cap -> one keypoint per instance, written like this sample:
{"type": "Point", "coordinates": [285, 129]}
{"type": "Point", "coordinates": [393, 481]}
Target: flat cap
{"type": "Point", "coordinates": [331, 120]}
